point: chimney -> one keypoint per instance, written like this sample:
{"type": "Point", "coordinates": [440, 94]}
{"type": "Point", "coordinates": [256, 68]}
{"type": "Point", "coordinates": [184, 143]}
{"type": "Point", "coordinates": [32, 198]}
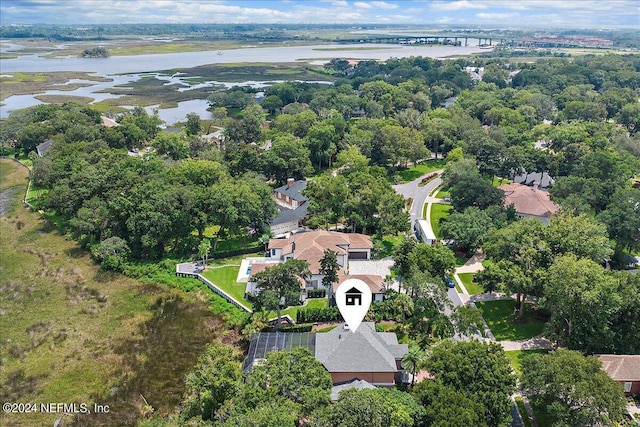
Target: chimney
{"type": "Point", "coordinates": [290, 182]}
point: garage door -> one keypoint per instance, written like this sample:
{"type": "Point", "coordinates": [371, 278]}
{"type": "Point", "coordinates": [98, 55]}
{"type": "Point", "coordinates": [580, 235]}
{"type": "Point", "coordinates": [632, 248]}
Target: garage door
{"type": "Point", "coordinates": [357, 255]}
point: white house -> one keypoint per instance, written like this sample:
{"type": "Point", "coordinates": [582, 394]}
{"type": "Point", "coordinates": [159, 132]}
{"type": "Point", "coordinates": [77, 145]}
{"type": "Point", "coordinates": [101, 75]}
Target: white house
{"type": "Point", "coordinates": [310, 246]}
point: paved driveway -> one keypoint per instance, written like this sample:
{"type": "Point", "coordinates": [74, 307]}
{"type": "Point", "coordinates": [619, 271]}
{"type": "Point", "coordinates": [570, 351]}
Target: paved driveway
{"type": "Point", "coordinates": [380, 267]}
{"type": "Point", "coordinates": [418, 194]}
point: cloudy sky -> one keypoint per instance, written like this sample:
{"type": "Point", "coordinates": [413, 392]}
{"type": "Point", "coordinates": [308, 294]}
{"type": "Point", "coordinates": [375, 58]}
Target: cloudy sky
{"type": "Point", "coordinates": [498, 13]}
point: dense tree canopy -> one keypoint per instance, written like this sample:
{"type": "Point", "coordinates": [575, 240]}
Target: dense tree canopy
{"type": "Point", "coordinates": [478, 371]}
{"type": "Point", "coordinates": [583, 395]}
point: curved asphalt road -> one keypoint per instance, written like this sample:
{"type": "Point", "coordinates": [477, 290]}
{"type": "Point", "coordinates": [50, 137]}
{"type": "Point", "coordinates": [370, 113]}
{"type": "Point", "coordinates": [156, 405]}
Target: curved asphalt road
{"type": "Point", "coordinates": [418, 194]}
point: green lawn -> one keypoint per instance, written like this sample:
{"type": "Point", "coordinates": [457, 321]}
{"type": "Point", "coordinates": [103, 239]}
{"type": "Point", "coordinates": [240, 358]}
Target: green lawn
{"type": "Point", "coordinates": [225, 278]}
{"type": "Point", "coordinates": [497, 182]}
{"type": "Point", "coordinates": [231, 243]}
{"type": "Point", "coordinates": [292, 311]}
{"type": "Point", "coordinates": [415, 172]}
{"type": "Point", "coordinates": [460, 260]}
{"type": "Point", "coordinates": [472, 287]}
{"type": "Point", "coordinates": [386, 245]}
{"type": "Point", "coordinates": [542, 416]}
{"type": "Point", "coordinates": [499, 318]}
{"type": "Point", "coordinates": [517, 356]}
{"type": "Point", "coordinates": [438, 211]}
{"type": "Point", "coordinates": [442, 194]}
{"type": "Point", "coordinates": [523, 412]}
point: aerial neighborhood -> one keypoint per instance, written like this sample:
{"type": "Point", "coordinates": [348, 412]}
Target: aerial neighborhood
{"type": "Point", "coordinates": [189, 272]}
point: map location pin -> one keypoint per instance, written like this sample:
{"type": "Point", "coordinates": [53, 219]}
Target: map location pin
{"type": "Point", "coordinates": [353, 298]}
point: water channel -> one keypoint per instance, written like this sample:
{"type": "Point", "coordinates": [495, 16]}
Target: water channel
{"type": "Point", "coordinates": [126, 69]}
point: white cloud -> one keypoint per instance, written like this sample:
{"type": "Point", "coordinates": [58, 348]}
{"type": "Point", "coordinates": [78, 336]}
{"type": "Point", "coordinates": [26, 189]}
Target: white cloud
{"type": "Point", "coordinates": [384, 5]}
{"type": "Point", "coordinates": [445, 6]}
{"type": "Point", "coordinates": [362, 5]}
{"type": "Point", "coordinates": [497, 16]}
{"type": "Point", "coordinates": [521, 12]}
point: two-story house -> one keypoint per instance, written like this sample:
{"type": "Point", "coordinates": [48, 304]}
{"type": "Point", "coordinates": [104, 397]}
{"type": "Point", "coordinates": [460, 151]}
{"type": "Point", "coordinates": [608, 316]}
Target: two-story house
{"type": "Point", "coordinates": [292, 206]}
{"type": "Point", "coordinates": [310, 246]}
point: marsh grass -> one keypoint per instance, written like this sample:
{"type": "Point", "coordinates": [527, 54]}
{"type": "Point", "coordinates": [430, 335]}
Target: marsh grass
{"type": "Point", "coordinates": [73, 333]}
{"type": "Point", "coordinates": [32, 83]}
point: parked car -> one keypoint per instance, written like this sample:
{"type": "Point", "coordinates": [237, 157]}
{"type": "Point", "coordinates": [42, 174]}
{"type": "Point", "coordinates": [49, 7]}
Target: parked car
{"type": "Point", "coordinates": [449, 282]}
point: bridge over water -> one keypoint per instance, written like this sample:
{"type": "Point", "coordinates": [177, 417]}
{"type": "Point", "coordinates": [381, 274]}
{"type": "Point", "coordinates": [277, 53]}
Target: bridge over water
{"type": "Point", "coordinates": [466, 40]}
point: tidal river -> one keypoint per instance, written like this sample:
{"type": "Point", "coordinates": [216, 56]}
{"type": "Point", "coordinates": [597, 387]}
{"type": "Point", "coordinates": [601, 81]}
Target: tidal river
{"type": "Point", "coordinates": [123, 69]}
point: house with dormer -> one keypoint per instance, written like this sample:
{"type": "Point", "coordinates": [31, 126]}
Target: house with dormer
{"type": "Point", "coordinates": [292, 206]}
{"type": "Point", "coordinates": [310, 246]}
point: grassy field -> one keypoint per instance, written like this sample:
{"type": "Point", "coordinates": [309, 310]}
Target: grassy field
{"type": "Point", "coordinates": [472, 287]}
{"type": "Point", "coordinates": [499, 318]}
{"type": "Point", "coordinates": [443, 193]}
{"type": "Point", "coordinates": [438, 211]}
{"type": "Point", "coordinates": [73, 333]}
{"type": "Point", "coordinates": [225, 278]}
{"type": "Point", "coordinates": [416, 171]}
{"type": "Point", "coordinates": [12, 175]}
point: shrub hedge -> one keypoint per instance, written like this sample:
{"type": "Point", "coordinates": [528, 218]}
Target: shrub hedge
{"type": "Point", "coordinates": [318, 314]}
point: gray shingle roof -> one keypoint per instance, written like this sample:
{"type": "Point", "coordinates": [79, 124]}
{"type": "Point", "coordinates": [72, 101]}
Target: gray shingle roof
{"type": "Point", "coordinates": [362, 351]}
{"type": "Point", "coordinates": [295, 191]}
{"type": "Point", "coordinates": [42, 149]}
{"type": "Point", "coordinates": [287, 215]}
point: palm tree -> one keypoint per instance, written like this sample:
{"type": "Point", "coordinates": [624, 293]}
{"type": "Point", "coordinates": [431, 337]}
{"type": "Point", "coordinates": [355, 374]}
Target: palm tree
{"type": "Point", "coordinates": [203, 250]}
{"type": "Point", "coordinates": [403, 307]}
{"type": "Point", "coordinates": [411, 362]}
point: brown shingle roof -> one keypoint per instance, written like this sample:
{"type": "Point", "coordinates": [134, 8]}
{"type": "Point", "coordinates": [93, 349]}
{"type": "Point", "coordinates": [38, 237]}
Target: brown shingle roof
{"type": "Point", "coordinates": [311, 245]}
{"type": "Point", "coordinates": [375, 283]}
{"type": "Point", "coordinates": [278, 243]}
{"type": "Point", "coordinates": [260, 267]}
{"type": "Point", "coordinates": [528, 200]}
{"type": "Point", "coordinates": [621, 367]}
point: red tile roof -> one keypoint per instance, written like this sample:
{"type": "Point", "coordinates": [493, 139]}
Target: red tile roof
{"type": "Point", "coordinates": [528, 200]}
